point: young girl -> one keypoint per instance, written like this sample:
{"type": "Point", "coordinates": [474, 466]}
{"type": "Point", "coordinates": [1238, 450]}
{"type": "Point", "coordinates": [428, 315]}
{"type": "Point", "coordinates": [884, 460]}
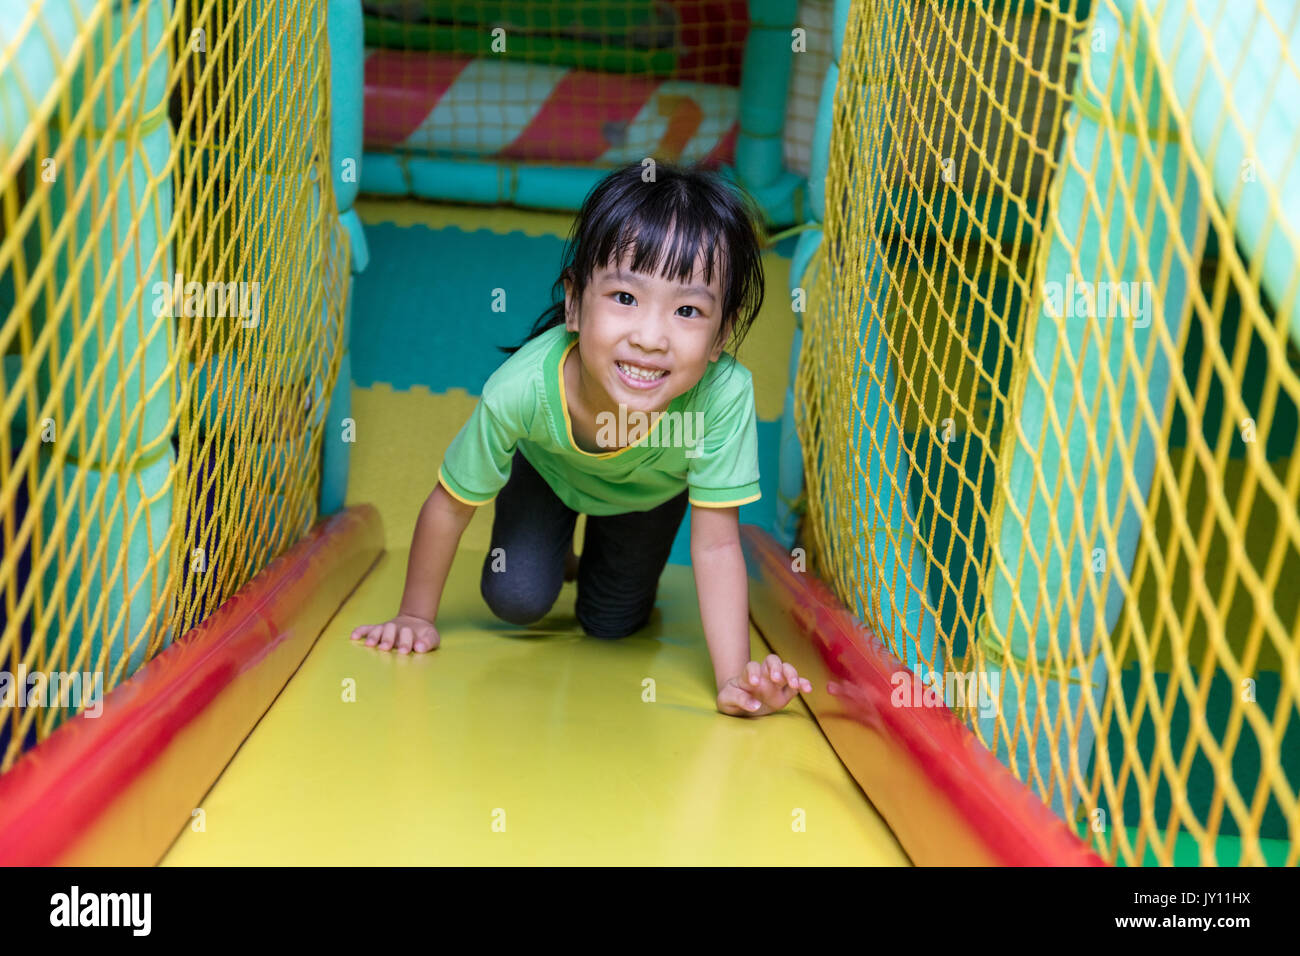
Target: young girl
{"type": "Point", "coordinates": [621, 405]}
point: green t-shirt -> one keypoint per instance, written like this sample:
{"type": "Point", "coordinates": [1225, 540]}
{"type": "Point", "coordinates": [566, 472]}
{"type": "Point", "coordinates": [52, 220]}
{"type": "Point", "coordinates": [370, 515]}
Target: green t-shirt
{"type": "Point", "coordinates": [706, 440]}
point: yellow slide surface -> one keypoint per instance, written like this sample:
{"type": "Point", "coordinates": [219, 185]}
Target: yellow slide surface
{"type": "Point", "coordinates": [527, 746]}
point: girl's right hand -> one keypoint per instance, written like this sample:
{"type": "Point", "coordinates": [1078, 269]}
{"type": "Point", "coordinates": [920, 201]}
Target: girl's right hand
{"type": "Point", "coordinates": [405, 631]}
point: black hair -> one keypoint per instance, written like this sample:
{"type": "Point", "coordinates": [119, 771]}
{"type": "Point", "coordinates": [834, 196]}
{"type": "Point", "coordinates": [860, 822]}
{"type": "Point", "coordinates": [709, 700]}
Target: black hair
{"type": "Point", "coordinates": [708, 215]}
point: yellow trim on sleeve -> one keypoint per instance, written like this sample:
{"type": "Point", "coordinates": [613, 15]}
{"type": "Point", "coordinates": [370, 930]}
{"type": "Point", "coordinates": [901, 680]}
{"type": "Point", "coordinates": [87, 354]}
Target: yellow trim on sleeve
{"type": "Point", "coordinates": [724, 504]}
{"type": "Point", "coordinates": [443, 481]}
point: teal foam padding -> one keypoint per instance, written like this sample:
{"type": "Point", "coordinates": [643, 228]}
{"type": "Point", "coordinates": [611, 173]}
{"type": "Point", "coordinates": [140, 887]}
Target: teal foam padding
{"type": "Point", "coordinates": [125, 71]}
{"type": "Point", "coordinates": [468, 181]}
{"type": "Point", "coordinates": [804, 251]}
{"type": "Point", "coordinates": [335, 452]}
{"type": "Point", "coordinates": [956, 528]}
{"type": "Point", "coordinates": [1265, 98]}
{"type": "Point", "coordinates": [135, 336]}
{"type": "Point", "coordinates": [1037, 466]}
{"type": "Point", "coordinates": [282, 101]}
{"type": "Point", "coordinates": [38, 59]}
{"type": "Point", "coordinates": [1050, 341]}
{"type": "Point", "coordinates": [472, 181]}
{"type": "Point", "coordinates": [764, 85]}
{"type": "Point", "coordinates": [280, 201]}
{"type": "Point", "coordinates": [484, 182]}
{"type": "Point", "coordinates": [357, 239]}
{"type": "Point", "coordinates": [258, 508]}
{"type": "Point", "coordinates": [284, 203]}
{"type": "Point", "coordinates": [789, 458]}
{"type": "Point", "coordinates": [785, 246]}
{"type": "Point", "coordinates": [539, 187]}
{"type": "Point", "coordinates": [881, 488]}
{"type": "Point", "coordinates": [1043, 701]}
{"type": "Point", "coordinates": [839, 23]}
{"type": "Point", "coordinates": [348, 301]}
{"type": "Point", "coordinates": [490, 183]}
{"type": "Point", "coordinates": [222, 379]}
{"type": "Point", "coordinates": [347, 89]}
{"type": "Point", "coordinates": [384, 174]}
{"type": "Point", "coordinates": [318, 405]}
{"type": "Point", "coordinates": [790, 483]}
{"type": "Point", "coordinates": [131, 535]}
{"type": "Point", "coordinates": [881, 485]}
{"type": "Point", "coordinates": [423, 309]}
{"type": "Point", "coordinates": [555, 187]}
{"type": "Point", "coordinates": [820, 151]}
{"type": "Point", "coordinates": [782, 201]}
{"type": "Point", "coordinates": [219, 376]}
{"type": "Point", "coordinates": [955, 479]}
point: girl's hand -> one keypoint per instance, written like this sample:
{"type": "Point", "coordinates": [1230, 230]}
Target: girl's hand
{"type": "Point", "coordinates": [762, 689]}
{"type": "Point", "coordinates": [405, 631]}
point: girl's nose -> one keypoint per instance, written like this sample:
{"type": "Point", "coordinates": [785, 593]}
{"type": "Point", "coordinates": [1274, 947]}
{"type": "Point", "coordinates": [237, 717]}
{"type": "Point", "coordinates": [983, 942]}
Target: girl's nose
{"type": "Point", "coordinates": [651, 334]}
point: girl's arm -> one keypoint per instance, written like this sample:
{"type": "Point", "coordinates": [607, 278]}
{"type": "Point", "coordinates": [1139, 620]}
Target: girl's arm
{"type": "Point", "coordinates": [438, 530]}
{"type": "Point", "coordinates": [745, 687]}
{"type": "Point", "coordinates": [437, 535]}
{"type": "Point", "coordinates": [723, 589]}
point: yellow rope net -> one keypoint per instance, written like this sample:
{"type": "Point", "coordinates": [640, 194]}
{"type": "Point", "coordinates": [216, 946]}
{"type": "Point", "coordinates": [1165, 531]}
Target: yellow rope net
{"type": "Point", "coordinates": [172, 282]}
{"type": "Point", "coordinates": [1048, 398]}
{"type": "Point", "coordinates": [1047, 392]}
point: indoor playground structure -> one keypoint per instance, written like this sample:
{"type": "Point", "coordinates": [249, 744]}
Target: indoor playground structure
{"type": "Point", "coordinates": [1027, 379]}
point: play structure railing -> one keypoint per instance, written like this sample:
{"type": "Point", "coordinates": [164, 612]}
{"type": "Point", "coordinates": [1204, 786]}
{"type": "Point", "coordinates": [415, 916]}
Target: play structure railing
{"type": "Point", "coordinates": [173, 277]}
{"type": "Point", "coordinates": [1047, 396]}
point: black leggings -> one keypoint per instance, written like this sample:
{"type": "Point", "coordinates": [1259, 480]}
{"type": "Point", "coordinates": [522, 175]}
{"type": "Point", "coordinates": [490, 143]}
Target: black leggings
{"type": "Point", "coordinates": [622, 557]}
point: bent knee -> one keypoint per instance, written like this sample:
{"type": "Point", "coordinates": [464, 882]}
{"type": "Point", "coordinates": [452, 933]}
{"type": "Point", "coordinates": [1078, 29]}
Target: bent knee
{"type": "Point", "coordinates": [514, 604]}
{"type": "Point", "coordinates": [610, 631]}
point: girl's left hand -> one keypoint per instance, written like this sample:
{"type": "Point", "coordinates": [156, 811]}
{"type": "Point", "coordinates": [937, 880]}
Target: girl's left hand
{"type": "Point", "coordinates": [761, 689]}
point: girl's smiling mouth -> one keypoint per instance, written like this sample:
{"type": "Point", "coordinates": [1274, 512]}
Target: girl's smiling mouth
{"type": "Point", "coordinates": [636, 377]}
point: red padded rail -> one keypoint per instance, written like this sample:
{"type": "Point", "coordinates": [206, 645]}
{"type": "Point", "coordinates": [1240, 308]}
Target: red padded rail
{"type": "Point", "coordinates": [946, 797]}
{"type": "Point", "coordinates": [230, 668]}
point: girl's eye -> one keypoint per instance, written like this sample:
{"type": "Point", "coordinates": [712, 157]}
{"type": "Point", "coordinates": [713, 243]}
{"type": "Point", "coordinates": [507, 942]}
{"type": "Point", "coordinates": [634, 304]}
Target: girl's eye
{"type": "Point", "coordinates": [618, 295]}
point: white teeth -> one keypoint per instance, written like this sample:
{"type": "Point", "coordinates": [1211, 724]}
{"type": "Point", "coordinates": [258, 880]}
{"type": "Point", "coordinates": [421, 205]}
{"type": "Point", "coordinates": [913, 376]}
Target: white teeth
{"type": "Point", "coordinates": [644, 376]}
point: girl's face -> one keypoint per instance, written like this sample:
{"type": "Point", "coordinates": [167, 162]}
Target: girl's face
{"type": "Point", "coordinates": [647, 322]}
